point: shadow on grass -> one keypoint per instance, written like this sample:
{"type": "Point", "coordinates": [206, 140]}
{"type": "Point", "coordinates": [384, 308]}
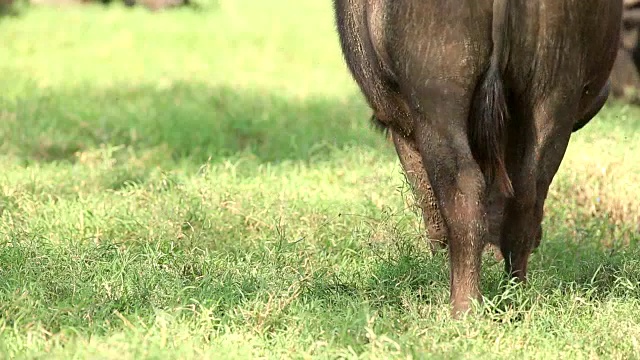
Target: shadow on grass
{"type": "Point", "coordinates": [560, 270]}
{"type": "Point", "coordinates": [8, 10]}
{"type": "Point", "coordinates": [195, 122]}
{"type": "Point", "coordinates": [13, 8]}
{"type": "Point", "coordinates": [192, 121]}
{"type": "Point", "coordinates": [64, 285]}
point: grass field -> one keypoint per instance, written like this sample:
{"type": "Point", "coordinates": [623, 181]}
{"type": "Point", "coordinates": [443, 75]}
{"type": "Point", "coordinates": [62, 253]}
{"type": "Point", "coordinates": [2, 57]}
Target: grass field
{"type": "Point", "coordinates": [206, 185]}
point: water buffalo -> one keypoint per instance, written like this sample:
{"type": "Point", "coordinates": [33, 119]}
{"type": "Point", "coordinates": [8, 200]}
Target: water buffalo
{"type": "Point", "coordinates": [625, 77]}
{"type": "Point", "coordinates": [481, 98]}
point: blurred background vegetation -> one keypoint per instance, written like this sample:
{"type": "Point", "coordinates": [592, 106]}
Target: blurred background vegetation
{"type": "Point", "coordinates": [14, 7]}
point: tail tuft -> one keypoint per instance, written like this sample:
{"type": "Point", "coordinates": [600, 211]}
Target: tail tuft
{"type": "Point", "coordinates": [487, 129]}
{"type": "Point", "coordinates": [379, 125]}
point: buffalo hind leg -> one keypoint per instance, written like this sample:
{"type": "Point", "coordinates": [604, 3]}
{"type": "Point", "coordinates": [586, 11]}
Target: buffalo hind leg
{"type": "Point", "coordinates": [542, 154]}
{"type": "Point", "coordinates": [459, 186]}
{"type": "Point", "coordinates": [412, 164]}
{"type": "Point", "coordinates": [519, 232]}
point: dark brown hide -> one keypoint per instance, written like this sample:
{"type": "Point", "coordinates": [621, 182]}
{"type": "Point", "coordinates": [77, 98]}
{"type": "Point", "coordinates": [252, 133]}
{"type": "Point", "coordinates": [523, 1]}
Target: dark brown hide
{"type": "Point", "coordinates": [481, 98]}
